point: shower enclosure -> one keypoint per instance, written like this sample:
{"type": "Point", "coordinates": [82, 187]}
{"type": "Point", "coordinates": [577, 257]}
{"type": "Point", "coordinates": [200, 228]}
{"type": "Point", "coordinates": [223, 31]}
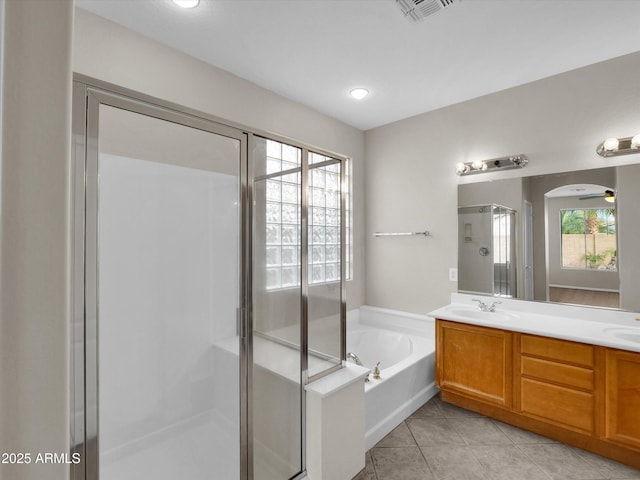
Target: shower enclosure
{"type": "Point", "coordinates": [487, 250]}
{"type": "Point", "coordinates": [209, 267]}
{"type": "Point", "coordinates": [297, 232]}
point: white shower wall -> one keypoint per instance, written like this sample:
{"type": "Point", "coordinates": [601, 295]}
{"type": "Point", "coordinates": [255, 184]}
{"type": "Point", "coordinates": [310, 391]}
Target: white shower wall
{"type": "Point", "coordinates": [168, 283]}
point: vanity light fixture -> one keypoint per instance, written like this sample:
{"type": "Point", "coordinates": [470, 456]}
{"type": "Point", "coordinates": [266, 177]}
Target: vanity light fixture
{"type": "Point", "coordinates": [612, 147]}
{"type": "Point", "coordinates": [481, 166]}
{"type": "Point", "coordinates": [187, 3]}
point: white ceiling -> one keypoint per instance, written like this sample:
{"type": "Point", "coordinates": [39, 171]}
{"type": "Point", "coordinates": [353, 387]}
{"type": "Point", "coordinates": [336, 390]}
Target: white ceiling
{"type": "Point", "coordinates": [315, 51]}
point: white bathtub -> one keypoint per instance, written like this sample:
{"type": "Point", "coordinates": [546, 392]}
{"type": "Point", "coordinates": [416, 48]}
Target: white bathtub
{"type": "Point", "coordinates": [404, 344]}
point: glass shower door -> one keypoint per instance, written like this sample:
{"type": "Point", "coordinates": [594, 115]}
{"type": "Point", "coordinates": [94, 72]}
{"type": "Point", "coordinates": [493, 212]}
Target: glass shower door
{"type": "Point", "coordinates": [297, 291]}
{"type": "Point", "coordinates": [166, 400]}
{"type": "Point", "coordinates": [277, 382]}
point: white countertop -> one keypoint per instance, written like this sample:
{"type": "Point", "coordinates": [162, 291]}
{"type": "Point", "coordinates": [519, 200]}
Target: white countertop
{"type": "Point", "coordinates": [338, 380]}
{"type": "Point", "coordinates": [597, 326]}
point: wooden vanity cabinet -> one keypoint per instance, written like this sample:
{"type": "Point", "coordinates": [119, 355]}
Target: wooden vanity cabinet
{"type": "Point", "coordinates": [580, 394]}
{"type": "Point", "coordinates": [622, 404]}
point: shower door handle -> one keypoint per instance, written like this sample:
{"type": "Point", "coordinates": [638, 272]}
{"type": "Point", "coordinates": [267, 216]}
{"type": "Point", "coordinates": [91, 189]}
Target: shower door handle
{"type": "Point", "coordinates": [242, 322]}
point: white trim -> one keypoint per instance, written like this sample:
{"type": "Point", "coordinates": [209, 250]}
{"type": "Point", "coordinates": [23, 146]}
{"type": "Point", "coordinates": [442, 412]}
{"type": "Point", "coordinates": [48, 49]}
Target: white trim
{"type": "Point", "coordinates": [395, 418]}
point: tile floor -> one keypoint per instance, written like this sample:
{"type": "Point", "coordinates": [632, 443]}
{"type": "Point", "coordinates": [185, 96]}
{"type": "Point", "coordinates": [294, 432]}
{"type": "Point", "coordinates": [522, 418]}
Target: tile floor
{"type": "Point", "coordinates": [443, 442]}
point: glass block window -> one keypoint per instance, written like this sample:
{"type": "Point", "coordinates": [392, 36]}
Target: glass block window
{"type": "Point", "coordinates": [332, 183]}
{"type": "Point", "coordinates": [283, 218]}
{"type": "Point", "coordinates": [324, 223]}
{"type": "Point", "coordinates": [283, 201]}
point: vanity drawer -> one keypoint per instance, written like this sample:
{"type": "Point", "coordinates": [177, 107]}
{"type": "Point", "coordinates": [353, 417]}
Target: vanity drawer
{"type": "Point", "coordinates": [559, 350]}
{"type": "Point", "coordinates": [562, 406]}
{"type": "Point", "coordinates": [559, 373]}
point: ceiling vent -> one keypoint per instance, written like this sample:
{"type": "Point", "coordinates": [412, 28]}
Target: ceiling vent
{"type": "Point", "coordinates": [417, 10]}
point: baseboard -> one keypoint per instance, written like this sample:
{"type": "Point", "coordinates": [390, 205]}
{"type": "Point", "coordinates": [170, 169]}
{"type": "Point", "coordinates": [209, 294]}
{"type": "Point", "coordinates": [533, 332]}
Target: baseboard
{"type": "Point", "coordinates": [395, 418]}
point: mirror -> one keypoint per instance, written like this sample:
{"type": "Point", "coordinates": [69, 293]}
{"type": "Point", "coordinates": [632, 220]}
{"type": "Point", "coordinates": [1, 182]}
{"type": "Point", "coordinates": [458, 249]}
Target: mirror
{"type": "Point", "coordinates": [487, 248]}
{"type": "Point", "coordinates": [565, 237]}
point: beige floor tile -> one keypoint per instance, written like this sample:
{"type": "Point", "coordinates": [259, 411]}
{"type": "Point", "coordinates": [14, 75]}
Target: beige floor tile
{"type": "Point", "coordinates": [479, 431]}
{"type": "Point", "coordinates": [521, 437]}
{"type": "Point", "coordinates": [507, 462]}
{"type": "Point", "coordinates": [609, 468]}
{"type": "Point", "coordinates": [398, 437]}
{"type": "Point", "coordinates": [433, 431]}
{"type": "Point", "coordinates": [450, 462]}
{"type": "Point", "coordinates": [560, 462]}
{"type": "Point", "coordinates": [368, 473]}
{"type": "Point", "coordinates": [400, 463]}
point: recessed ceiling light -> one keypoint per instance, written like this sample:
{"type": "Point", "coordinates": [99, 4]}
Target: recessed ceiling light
{"type": "Point", "coordinates": [359, 93]}
{"type": "Point", "coordinates": [187, 3]}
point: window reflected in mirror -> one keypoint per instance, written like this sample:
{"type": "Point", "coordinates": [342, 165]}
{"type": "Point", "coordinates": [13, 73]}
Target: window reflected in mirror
{"type": "Point", "coordinates": [589, 239]}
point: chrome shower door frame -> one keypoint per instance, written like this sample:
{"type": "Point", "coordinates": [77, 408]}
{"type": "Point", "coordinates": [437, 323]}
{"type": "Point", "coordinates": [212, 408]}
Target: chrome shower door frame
{"type": "Point", "coordinates": [88, 95]}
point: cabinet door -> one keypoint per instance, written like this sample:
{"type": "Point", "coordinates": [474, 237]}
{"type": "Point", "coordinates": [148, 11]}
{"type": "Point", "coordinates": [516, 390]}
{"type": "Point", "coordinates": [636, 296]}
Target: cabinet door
{"type": "Point", "coordinates": [623, 397]}
{"type": "Point", "coordinates": [475, 361]}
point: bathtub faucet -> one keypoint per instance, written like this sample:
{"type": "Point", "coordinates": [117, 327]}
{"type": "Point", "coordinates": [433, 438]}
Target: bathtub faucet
{"type": "Point", "coordinates": [484, 307]}
{"type": "Point", "coordinates": [355, 358]}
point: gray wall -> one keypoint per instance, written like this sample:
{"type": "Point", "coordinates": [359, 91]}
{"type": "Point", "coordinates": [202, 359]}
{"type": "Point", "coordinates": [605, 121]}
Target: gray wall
{"type": "Point", "coordinates": [628, 215]}
{"type": "Point", "coordinates": [507, 193]}
{"type": "Point", "coordinates": [34, 279]}
{"type": "Point", "coordinates": [411, 181]}
{"type": "Point", "coordinates": [2, 2]}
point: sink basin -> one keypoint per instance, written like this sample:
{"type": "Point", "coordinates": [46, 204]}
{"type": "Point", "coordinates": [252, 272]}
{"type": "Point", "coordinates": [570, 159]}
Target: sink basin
{"type": "Point", "coordinates": [499, 316]}
{"type": "Point", "coordinates": [627, 334]}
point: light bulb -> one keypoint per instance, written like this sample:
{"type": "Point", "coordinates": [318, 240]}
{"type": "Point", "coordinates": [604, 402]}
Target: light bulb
{"type": "Point", "coordinates": [610, 144]}
{"type": "Point", "coordinates": [461, 168]}
{"type": "Point", "coordinates": [359, 93]}
{"type": "Point", "coordinates": [478, 165]}
{"type": "Point", "coordinates": [187, 3]}
{"type": "Point", "coordinates": [635, 141]}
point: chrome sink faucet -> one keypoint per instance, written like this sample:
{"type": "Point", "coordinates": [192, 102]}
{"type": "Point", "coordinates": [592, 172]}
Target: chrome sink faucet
{"type": "Point", "coordinates": [484, 307]}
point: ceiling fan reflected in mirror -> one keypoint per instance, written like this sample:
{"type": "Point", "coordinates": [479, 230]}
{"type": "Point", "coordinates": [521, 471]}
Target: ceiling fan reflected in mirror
{"type": "Point", "coordinates": [608, 195]}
